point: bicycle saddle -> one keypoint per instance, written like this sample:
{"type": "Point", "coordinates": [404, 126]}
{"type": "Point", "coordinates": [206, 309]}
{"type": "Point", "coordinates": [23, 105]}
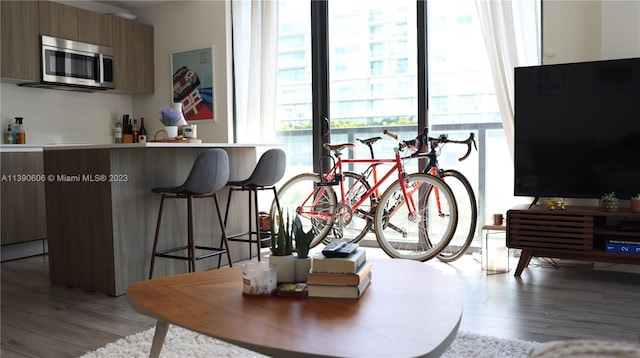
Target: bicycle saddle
{"type": "Point", "coordinates": [340, 146]}
{"type": "Point", "coordinates": [369, 141]}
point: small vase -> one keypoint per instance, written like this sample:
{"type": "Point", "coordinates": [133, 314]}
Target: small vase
{"type": "Point", "coordinates": [610, 205]}
{"type": "Point", "coordinates": [285, 267]}
{"type": "Point", "coordinates": [172, 131]}
{"type": "Point", "coordinates": [635, 206]}
{"type": "Point", "coordinates": [302, 268]}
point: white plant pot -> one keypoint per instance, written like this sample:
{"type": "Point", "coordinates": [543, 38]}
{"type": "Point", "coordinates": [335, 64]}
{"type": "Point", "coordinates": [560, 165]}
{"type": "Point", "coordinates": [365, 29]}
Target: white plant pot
{"type": "Point", "coordinates": [285, 267]}
{"type": "Point", "coordinates": [302, 268]}
{"type": "Point", "coordinates": [172, 131]}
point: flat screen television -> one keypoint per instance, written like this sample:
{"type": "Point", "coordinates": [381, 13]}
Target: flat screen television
{"type": "Point", "coordinates": [577, 129]}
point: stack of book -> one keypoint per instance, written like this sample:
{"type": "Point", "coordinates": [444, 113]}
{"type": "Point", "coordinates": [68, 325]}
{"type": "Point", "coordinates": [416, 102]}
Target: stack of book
{"type": "Point", "coordinates": [339, 277]}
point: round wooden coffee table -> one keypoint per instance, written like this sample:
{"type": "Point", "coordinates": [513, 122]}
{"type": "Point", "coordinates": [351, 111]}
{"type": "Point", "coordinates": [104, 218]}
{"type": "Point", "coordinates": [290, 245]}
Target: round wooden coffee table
{"type": "Point", "coordinates": [409, 310]}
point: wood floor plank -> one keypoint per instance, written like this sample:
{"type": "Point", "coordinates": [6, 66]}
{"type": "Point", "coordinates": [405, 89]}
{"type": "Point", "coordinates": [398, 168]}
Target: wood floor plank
{"type": "Point", "coordinates": [548, 302]}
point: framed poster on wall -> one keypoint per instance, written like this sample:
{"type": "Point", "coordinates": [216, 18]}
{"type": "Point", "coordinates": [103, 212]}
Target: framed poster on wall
{"type": "Point", "coordinates": [193, 83]}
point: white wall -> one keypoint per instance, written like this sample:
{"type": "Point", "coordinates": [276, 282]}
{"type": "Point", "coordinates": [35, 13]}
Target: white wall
{"type": "Point", "coordinates": [590, 30]}
{"type": "Point", "coordinates": [183, 26]}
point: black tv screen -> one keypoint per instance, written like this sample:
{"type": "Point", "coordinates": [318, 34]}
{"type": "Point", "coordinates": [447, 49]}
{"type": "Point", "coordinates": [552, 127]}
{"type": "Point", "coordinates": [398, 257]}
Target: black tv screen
{"type": "Point", "coordinates": [577, 129]}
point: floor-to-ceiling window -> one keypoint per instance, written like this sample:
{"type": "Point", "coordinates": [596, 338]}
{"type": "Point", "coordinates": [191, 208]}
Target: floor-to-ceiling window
{"type": "Point", "coordinates": [372, 49]}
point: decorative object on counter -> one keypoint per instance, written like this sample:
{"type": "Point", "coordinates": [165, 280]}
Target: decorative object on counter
{"type": "Point", "coordinates": [19, 135]}
{"type": "Point", "coordinates": [178, 139]}
{"type": "Point", "coordinates": [142, 132]}
{"type": "Point", "coordinates": [635, 203]}
{"type": "Point", "coordinates": [135, 131]}
{"type": "Point", "coordinates": [127, 129]}
{"type": "Point", "coordinates": [8, 136]}
{"type": "Point", "coordinates": [117, 132]}
{"type": "Point", "coordinates": [181, 122]}
{"type": "Point", "coordinates": [610, 202]}
{"type": "Point", "coordinates": [169, 116]}
{"type": "Point", "coordinates": [190, 131]}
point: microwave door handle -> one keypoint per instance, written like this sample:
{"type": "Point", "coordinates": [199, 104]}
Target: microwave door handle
{"type": "Point", "coordinates": [101, 68]}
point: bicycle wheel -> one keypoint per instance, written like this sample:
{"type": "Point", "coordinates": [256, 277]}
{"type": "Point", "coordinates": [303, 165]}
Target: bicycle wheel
{"type": "Point", "coordinates": [420, 234]}
{"type": "Point", "coordinates": [467, 216]}
{"type": "Point", "coordinates": [354, 224]}
{"type": "Point", "coordinates": [314, 204]}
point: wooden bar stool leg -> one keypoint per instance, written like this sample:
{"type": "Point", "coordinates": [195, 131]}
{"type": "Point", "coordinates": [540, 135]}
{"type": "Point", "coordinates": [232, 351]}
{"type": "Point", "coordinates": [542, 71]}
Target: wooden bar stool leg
{"type": "Point", "coordinates": [155, 239]}
{"type": "Point", "coordinates": [257, 222]}
{"type": "Point", "coordinates": [191, 245]}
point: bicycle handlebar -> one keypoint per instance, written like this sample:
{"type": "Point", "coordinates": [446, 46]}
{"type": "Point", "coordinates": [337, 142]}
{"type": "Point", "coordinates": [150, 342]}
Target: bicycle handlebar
{"type": "Point", "coordinates": [442, 139]}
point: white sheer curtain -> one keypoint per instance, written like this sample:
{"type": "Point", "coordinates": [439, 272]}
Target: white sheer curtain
{"type": "Point", "coordinates": [512, 34]}
{"type": "Point", "coordinates": [255, 57]}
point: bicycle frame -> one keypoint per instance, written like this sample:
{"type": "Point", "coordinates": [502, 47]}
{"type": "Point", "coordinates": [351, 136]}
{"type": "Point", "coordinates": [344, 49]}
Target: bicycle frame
{"type": "Point", "coordinates": [336, 172]}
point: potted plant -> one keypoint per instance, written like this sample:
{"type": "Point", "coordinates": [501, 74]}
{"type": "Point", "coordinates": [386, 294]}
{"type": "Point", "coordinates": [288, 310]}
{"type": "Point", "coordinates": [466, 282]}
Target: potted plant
{"type": "Point", "coordinates": [635, 203]}
{"type": "Point", "coordinates": [282, 248]}
{"type": "Point", "coordinates": [303, 242]}
{"type": "Point", "coordinates": [610, 201]}
{"type": "Point", "coordinates": [170, 117]}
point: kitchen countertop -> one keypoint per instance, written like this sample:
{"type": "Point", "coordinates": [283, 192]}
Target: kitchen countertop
{"type": "Point", "coordinates": [65, 146]}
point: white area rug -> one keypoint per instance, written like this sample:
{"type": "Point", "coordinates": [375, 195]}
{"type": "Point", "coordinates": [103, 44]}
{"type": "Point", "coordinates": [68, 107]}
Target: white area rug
{"type": "Point", "coordinates": [184, 343]}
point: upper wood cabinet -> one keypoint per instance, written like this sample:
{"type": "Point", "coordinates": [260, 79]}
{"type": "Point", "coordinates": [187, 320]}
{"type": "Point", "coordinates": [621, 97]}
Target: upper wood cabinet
{"type": "Point", "coordinates": [20, 54]}
{"type": "Point", "coordinates": [24, 21]}
{"type": "Point", "coordinates": [58, 20]}
{"type": "Point", "coordinates": [133, 56]}
{"type": "Point", "coordinates": [95, 28]}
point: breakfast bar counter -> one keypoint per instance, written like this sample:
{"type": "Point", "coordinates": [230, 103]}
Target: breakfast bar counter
{"type": "Point", "coordinates": [101, 214]}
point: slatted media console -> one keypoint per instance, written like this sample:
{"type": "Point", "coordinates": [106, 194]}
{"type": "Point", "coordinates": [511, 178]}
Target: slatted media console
{"type": "Point", "coordinates": [577, 233]}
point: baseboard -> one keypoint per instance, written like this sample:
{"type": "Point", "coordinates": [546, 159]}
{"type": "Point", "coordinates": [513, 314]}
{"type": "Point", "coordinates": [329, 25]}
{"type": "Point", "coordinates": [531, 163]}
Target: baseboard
{"type": "Point", "coordinates": [606, 266]}
{"type": "Point", "coordinates": [23, 249]}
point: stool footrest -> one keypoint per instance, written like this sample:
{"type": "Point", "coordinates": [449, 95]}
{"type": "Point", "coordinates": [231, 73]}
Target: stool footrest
{"type": "Point", "coordinates": [167, 253]}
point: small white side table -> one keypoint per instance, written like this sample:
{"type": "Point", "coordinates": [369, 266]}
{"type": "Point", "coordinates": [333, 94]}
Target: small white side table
{"type": "Point", "coordinates": [495, 253]}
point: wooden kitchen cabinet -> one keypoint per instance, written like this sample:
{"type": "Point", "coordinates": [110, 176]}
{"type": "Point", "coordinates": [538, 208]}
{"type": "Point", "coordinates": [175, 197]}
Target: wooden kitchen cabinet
{"type": "Point", "coordinates": [20, 54]}
{"type": "Point", "coordinates": [58, 20]}
{"type": "Point", "coordinates": [24, 21]}
{"type": "Point", "coordinates": [95, 28]}
{"type": "Point", "coordinates": [134, 63]}
{"type": "Point", "coordinates": [22, 197]}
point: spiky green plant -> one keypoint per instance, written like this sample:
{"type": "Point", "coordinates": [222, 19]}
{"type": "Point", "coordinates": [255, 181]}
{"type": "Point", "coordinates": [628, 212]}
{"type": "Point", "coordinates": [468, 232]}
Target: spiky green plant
{"type": "Point", "coordinates": [609, 196]}
{"type": "Point", "coordinates": [282, 239]}
{"type": "Point", "coordinates": [636, 197]}
{"type": "Point", "coordinates": [302, 239]}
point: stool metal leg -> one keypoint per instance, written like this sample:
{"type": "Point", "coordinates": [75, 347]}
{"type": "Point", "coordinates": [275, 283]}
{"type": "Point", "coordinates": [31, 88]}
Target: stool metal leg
{"type": "Point", "coordinates": [224, 232]}
{"type": "Point", "coordinates": [257, 222]}
{"type": "Point", "coordinates": [190, 241]}
{"type": "Point", "coordinates": [155, 239]}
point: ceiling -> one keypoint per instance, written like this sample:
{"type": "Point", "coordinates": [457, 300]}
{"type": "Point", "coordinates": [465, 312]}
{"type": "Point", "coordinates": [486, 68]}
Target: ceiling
{"type": "Point", "coordinates": [133, 5]}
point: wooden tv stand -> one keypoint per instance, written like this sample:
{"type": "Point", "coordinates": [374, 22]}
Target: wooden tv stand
{"type": "Point", "coordinates": [576, 233]}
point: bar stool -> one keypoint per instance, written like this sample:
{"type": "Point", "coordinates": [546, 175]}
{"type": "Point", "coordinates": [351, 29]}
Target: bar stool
{"type": "Point", "coordinates": [269, 170]}
{"type": "Point", "coordinates": [208, 175]}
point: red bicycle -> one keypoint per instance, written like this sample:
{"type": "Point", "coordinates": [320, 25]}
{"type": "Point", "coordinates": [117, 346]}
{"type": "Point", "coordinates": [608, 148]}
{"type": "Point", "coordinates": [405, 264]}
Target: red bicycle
{"type": "Point", "coordinates": [414, 218]}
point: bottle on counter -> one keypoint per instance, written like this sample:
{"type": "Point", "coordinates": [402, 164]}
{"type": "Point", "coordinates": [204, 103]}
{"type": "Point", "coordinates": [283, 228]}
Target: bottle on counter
{"type": "Point", "coordinates": [142, 132]}
{"type": "Point", "coordinates": [117, 132]}
{"type": "Point", "coordinates": [135, 131]}
{"type": "Point", "coordinates": [127, 135]}
{"type": "Point", "coordinates": [8, 136]}
{"type": "Point", "coordinates": [21, 135]}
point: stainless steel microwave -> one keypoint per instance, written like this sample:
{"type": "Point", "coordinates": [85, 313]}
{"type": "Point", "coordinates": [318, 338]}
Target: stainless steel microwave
{"type": "Point", "coordinates": [76, 64]}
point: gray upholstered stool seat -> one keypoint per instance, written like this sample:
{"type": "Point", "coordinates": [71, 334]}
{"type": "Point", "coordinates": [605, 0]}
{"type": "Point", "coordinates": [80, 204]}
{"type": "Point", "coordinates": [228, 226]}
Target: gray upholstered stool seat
{"type": "Point", "coordinates": [209, 174]}
{"type": "Point", "coordinates": [269, 171]}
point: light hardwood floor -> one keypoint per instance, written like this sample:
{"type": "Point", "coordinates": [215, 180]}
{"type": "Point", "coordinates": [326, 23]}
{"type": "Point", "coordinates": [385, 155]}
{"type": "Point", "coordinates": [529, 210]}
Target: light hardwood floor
{"type": "Point", "coordinates": [547, 303]}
